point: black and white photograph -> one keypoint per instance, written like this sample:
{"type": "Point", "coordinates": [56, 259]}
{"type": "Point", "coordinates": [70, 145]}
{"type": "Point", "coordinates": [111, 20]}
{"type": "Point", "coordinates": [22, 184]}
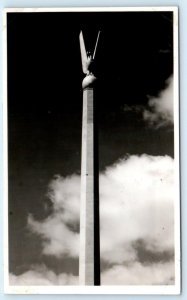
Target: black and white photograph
{"type": "Point", "coordinates": [92, 121]}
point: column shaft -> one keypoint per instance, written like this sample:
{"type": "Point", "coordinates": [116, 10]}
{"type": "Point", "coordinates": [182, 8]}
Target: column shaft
{"type": "Point", "coordinates": [87, 260]}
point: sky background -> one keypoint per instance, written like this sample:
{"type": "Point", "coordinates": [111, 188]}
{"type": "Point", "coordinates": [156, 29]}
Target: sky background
{"type": "Point", "coordinates": [134, 68]}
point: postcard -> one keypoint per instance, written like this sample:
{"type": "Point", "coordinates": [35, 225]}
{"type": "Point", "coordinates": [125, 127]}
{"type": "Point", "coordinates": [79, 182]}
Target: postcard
{"type": "Point", "coordinates": [91, 150]}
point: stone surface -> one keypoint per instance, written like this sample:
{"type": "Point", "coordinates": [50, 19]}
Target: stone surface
{"type": "Point", "coordinates": [86, 258]}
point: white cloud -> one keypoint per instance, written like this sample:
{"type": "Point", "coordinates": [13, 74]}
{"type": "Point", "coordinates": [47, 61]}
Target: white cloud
{"type": "Point", "coordinates": [136, 211]}
{"type": "Point", "coordinates": [161, 108]}
{"type": "Point", "coordinates": [137, 198]}
{"type": "Point", "coordinates": [58, 236]}
{"type": "Point", "coordinates": [138, 274]}
{"type": "Point", "coordinates": [40, 275]}
{"type": "Point", "coordinates": [64, 194]}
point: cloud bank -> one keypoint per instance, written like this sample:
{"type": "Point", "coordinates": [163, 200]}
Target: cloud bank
{"type": "Point", "coordinates": [138, 274]}
{"type": "Point", "coordinates": [59, 232]}
{"type": "Point", "coordinates": [41, 275]}
{"type": "Point", "coordinates": [160, 110]}
{"type": "Point", "coordinates": [136, 204]}
{"type": "Point", "coordinates": [136, 212]}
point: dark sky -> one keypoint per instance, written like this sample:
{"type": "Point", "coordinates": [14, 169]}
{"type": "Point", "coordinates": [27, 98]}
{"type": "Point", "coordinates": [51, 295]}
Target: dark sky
{"type": "Point", "coordinates": [134, 59]}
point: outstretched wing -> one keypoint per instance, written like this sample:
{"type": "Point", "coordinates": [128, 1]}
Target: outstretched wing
{"type": "Point", "coordinates": [83, 54]}
{"type": "Point", "coordinates": [96, 44]}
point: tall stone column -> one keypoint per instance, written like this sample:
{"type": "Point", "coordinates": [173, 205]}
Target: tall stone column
{"type": "Point", "coordinates": [89, 260]}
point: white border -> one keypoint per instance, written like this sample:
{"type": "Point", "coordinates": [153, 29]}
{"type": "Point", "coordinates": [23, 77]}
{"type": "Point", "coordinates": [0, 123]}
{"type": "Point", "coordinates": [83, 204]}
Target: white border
{"type": "Point", "coordinates": [5, 153]}
{"type": "Point", "coordinates": [176, 154]}
{"type": "Point", "coordinates": [95, 9]}
{"type": "Point", "coordinates": [137, 289]}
